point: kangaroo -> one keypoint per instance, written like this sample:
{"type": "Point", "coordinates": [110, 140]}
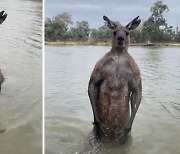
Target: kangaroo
{"type": "Point", "coordinates": [3, 16]}
{"type": "Point", "coordinates": [115, 87]}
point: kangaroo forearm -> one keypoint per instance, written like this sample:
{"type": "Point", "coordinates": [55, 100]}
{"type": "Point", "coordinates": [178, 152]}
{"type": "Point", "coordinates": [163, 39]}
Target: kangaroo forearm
{"type": "Point", "coordinates": [135, 102]}
{"type": "Point", "coordinates": [93, 93]}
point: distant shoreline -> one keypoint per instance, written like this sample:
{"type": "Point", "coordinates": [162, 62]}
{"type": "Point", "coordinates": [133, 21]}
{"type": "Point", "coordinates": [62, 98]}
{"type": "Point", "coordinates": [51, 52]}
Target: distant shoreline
{"type": "Point", "coordinates": [62, 43]}
{"type": "Point", "coordinates": [59, 43]}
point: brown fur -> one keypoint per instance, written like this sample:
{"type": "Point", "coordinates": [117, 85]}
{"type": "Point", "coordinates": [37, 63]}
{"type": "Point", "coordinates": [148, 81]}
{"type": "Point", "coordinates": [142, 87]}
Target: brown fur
{"type": "Point", "coordinates": [114, 87]}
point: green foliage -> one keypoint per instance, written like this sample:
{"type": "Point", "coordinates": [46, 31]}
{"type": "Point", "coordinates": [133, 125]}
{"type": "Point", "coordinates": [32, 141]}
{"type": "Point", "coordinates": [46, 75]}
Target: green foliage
{"type": "Point", "coordinates": [102, 34]}
{"type": "Point", "coordinates": [158, 11]}
{"type": "Point", "coordinates": [177, 37]}
{"type": "Point", "coordinates": [80, 32]}
{"type": "Point", "coordinates": [136, 36]}
{"type": "Point", "coordinates": [56, 28]}
{"type": "Point", "coordinates": [154, 29]}
{"type": "Point", "coordinates": [49, 30]}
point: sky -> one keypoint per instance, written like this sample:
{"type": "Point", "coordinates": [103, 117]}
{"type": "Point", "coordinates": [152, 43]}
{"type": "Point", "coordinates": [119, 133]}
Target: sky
{"type": "Point", "coordinates": [117, 10]}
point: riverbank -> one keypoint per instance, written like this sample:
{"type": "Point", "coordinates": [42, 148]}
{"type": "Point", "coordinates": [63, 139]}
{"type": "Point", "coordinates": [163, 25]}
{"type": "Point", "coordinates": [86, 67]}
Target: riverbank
{"type": "Point", "coordinates": [77, 43]}
{"type": "Point", "coordinates": [60, 43]}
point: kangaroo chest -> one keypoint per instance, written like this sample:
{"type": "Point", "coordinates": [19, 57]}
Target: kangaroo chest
{"type": "Point", "coordinates": [116, 69]}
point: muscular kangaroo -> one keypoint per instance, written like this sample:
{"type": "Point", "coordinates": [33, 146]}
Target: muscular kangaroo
{"type": "Point", "coordinates": [3, 16]}
{"type": "Point", "coordinates": [115, 87]}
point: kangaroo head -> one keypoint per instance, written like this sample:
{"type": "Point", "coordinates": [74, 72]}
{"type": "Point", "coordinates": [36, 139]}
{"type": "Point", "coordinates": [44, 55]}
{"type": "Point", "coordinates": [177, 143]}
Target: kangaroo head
{"type": "Point", "coordinates": [121, 33]}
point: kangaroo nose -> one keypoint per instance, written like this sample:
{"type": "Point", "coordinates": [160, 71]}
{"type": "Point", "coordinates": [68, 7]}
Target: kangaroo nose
{"type": "Point", "coordinates": [120, 38]}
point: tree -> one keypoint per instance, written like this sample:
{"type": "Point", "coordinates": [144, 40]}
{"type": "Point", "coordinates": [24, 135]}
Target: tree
{"type": "Point", "coordinates": [136, 36]}
{"type": "Point", "coordinates": [158, 10]}
{"type": "Point", "coordinates": [48, 30]}
{"type": "Point", "coordinates": [80, 32]}
{"type": "Point", "coordinates": [56, 28]}
{"type": "Point", "coordinates": [63, 20]}
{"type": "Point", "coordinates": [156, 28]}
{"type": "Point", "coordinates": [177, 36]}
{"type": "Point", "coordinates": [102, 34]}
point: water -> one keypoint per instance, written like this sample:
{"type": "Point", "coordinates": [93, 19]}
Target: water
{"type": "Point", "coordinates": [68, 116]}
{"type": "Point", "coordinates": [21, 65]}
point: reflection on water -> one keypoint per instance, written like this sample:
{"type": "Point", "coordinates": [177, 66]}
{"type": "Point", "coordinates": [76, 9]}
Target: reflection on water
{"type": "Point", "coordinates": [68, 110]}
{"type": "Point", "coordinates": [21, 64]}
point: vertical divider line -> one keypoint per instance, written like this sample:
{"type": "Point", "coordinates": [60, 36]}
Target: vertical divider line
{"type": "Point", "coordinates": [43, 79]}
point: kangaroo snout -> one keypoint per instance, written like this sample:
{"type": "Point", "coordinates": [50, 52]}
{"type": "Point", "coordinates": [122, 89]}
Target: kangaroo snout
{"type": "Point", "coordinates": [120, 40]}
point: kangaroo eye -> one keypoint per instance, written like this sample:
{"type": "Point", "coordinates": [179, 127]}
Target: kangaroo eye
{"type": "Point", "coordinates": [114, 33]}
{"type": "Point", "coordinates": [127, 33]}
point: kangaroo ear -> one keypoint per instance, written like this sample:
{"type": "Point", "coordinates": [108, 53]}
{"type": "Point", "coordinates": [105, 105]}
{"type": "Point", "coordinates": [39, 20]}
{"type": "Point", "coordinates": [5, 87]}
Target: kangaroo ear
{"type": "Point", "coordinates": [110, 24]}
{"type": "Point", "coordinates": [3, 16]}
{"type": "Point", "coordinates": [134, 23]}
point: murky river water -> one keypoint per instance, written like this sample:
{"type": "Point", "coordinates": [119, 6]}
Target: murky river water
{"type": "Point", "coordinates": [68, 110]}
{"type": "Point", "coordinates": [21, 64]}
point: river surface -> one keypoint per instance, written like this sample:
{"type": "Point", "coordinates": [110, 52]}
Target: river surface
{"type": "Point", "coordinates": [68, 116]}
{"type": "Point", "coordinates": [21, 65]}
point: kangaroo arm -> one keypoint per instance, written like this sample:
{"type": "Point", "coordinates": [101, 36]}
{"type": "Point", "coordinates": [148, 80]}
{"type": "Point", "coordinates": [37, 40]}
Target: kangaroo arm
{"type": "Point", "coordinates": [135, 102]}
{"type": "Point", "coordinates": [93, 91]}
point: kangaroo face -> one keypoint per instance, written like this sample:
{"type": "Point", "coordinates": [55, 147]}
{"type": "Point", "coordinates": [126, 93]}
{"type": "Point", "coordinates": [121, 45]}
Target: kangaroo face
{"type": "Point", "coordinates": [121, 34]}
{"type": "Point", "coordinates": [120, 37]}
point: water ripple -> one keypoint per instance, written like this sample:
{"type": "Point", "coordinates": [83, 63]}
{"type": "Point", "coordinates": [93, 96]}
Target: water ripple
{"type": "Point", "coordinates": [68, 110]}
{"type": "Point", "coordinates": [21, 64]}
